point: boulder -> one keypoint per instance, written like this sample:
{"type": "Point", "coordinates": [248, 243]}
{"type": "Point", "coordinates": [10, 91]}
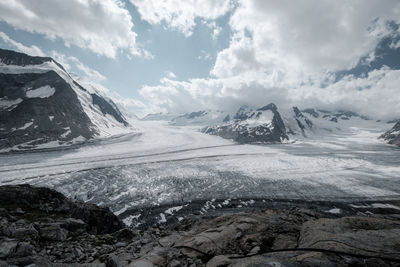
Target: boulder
{"type": "Point", "coordinates": [53, 232]}
{"type": "Point", "coordinates": [8, 247]}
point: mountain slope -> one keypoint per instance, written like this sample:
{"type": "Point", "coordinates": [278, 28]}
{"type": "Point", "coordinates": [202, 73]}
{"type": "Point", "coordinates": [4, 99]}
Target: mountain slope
{"type": "Point", "coordinates": [393, 135]}
{"type": "Point", "coordinates": [41, 105]}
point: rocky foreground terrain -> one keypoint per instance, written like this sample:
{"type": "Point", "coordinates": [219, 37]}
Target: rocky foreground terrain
{"type": "Point", "coordinates": [40, 227]}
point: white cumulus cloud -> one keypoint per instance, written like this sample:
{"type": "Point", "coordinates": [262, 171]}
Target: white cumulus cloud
{"type": "Point", "coordinates": [181, 15]}
{"type": "Point", "coordinates": [286, 51]}
{"type": "Point", "coordinates": [102, 26]}
{"type": "Point", "coordinates": [32, 50]}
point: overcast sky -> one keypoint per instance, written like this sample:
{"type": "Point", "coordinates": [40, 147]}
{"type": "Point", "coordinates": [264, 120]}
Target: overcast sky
{"type": "Point", "coordinates": [187, 55]}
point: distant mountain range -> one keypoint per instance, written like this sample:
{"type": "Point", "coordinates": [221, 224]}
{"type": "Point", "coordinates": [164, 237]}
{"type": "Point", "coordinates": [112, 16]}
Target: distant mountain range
{"type": "Point", "coordinates": [42, 106]}
{"type": "Point", "coordinates": [268, 124]}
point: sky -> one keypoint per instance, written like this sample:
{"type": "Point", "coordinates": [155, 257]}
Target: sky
{"type": "Point", "coordinates": [176, 56]}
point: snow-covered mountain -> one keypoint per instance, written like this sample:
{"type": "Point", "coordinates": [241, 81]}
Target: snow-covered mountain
{"type": "Point", "coordinates": [41, 105]}
{"type": "Point", "coordinates": [270, 125]}
{"type": "Point", "coordinates": [252, 126]}
{"type": "Point", "coordinates": [160, 117]}
{"type": "Point", "coordinates": [201, 118]}
{"type": "Point", "coordinates": [195, 118]}
{"type": "Point", "coordinates": [393, 135]}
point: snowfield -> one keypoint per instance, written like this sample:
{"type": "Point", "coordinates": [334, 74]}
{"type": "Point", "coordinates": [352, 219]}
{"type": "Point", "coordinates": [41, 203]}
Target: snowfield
{"type": "Point", "coordinates": [170, 164]}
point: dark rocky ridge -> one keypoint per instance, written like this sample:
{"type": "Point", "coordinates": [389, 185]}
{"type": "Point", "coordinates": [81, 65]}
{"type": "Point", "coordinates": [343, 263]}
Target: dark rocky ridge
{"type": "Point", "coordinates": [9, 57]}
{"type": "Point", "coordinates": [393, 135]}
{"type": "Point", "coordinates": [40, 226]}
{"type": "Point", "coordinates": [33, 120]}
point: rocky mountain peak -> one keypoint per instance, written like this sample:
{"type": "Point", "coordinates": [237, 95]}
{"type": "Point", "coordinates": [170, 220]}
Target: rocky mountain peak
{"type": "Point", "coordinates": [270, 106]}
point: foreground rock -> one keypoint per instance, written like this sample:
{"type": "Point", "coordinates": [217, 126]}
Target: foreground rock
{"type": "Point", "coordinates": [40, 226]}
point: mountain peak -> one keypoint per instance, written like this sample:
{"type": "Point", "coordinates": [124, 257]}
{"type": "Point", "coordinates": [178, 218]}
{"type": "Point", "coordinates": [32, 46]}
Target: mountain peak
{"type": "Point", "coordinates": [270, 106]}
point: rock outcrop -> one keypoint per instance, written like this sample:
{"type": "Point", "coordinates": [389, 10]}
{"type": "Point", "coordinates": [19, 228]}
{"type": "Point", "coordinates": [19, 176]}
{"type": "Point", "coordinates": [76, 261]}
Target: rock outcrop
{"type": "Point", "coordinates": [40, 226]}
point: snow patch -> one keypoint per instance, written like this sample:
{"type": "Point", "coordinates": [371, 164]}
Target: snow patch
{"type": "Point", "coordinates": [162, 218]}
{"type": "Point", "coordinates": [66, 133]}
{"type": "Point", "coordinates": [129, 220]}
{"type": "Point", "coordinates": [26, 125]}
{"type": "Point", "coordinates": [335, 211]}
{"type": "Point", "coordinates": [78, 139]}
{"type": "Point", "coordinates": [8, 103]}
{"type": "Point", "coordinates": [41, 92]}
{"type": "Point", "coordinates": [51, 144]}
{"type": "Point", "coordinates": [172, 210]}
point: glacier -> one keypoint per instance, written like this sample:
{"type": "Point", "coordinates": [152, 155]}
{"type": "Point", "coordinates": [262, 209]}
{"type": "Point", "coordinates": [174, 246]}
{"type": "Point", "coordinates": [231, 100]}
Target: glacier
{"type": "Point", "coordinates": [163, 164]}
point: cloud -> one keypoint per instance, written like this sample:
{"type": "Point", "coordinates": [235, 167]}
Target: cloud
{"type": "Point", "coordinates": [102, 26]}
{"type": "Point", "coordinates": [171, 75]}
{"type": "Point", "coordinates": [30, 50]}
{"type": "Point", "coordinates": [216, 30]}
{"type": "Point", "coordinates": [287, 52]}
{"type": "Point", "coordinates": [312, 35]}
{"type": "Point", "coordinates": [375, 95]}
{"type": "Point", "coordinates": [181, 15]}
{"type": "Point", "coordinates": [204, 55]}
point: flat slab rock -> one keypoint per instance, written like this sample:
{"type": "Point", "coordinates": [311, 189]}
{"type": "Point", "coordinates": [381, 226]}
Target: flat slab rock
{"type": "Point", "coordinates": [279, 238]}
